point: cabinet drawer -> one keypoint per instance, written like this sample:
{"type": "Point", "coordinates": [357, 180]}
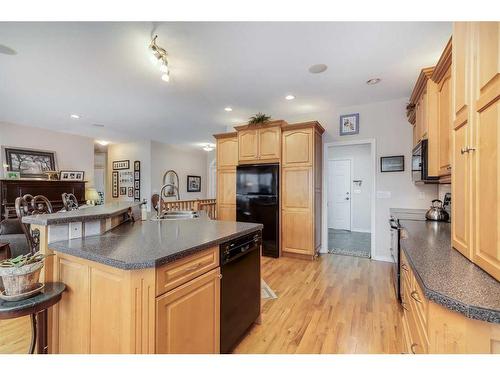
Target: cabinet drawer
{"type": "Point", "coordinates": [420, 302]}
{"type": "Point", "coordinates": [177, 273]}
{"type": "Point", "coordinates": [417, 342]}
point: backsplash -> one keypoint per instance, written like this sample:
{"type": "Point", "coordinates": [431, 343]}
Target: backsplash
{"type": "Point", "coordinates": [443, 189]}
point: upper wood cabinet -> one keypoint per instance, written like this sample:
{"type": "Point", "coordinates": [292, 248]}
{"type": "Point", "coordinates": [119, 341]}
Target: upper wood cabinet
{"type": "Point", "coordinates": [442, 77]}
{"type": "Point", "coordinates": [298, 147]}
{"type": "Point", "coordinates": [259, 143]}
{"type": "Point", "coordinates": [227, 151]}
{"type": "Point", "coordinates": [248, 145]}
{"type": "Point", "coordinates": [475, 151]}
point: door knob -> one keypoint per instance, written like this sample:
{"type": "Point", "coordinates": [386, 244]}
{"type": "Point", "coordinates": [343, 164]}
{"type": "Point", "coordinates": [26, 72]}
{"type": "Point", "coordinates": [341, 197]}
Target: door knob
{"type": "Point", "coordinates": [347, 198]}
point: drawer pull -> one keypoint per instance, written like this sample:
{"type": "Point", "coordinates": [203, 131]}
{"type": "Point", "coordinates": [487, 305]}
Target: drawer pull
{"type": "Point", "coordinates": [403, 305]}
{"type": "Point", "coordinates": [404, 267]}
{"type": "Point", "coordinates": [194, 267]}
{"type": "Point", "coordinates": [413, 346]}
{"type": "Point", "coordinates": [413, 294]}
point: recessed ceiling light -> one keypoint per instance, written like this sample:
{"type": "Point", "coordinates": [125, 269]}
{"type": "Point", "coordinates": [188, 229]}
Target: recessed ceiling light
{"type": "Point", "coordinates": [317, 68]}
{"type": "Point", "coordinates": [228, 109]}
{"type": "Point", "coordinates": [74, 116]}
{"type": "Point", "coordinates": [98, 125]}
{"type": "Point", "coordinates": [289, 97]}
{"type": "Point", "coordinates": [103, 143]}
{"type": "Point", "coordinates": [373, 81]}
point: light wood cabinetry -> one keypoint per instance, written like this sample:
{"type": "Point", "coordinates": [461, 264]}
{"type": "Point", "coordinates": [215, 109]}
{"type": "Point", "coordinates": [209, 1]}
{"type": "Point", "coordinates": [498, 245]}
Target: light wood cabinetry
{"type": "Point", "coordinates": [259, 143]}
{"type": "Point", "coordinates": [227, 160]}
{"type": "Point", "coordinates": [301, 189]}
{"type": "Point", "coordinates": [475, 139]}
{"type": "Point", "coordinates": [187, 317]}
{"type": "Point", "coordinates": [432, 328]}
{"type": "Point", "coordinates": [174, 308]}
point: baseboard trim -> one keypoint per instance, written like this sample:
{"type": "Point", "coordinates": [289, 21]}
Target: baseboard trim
{"type": "Point", "coordinates": [383, 259]}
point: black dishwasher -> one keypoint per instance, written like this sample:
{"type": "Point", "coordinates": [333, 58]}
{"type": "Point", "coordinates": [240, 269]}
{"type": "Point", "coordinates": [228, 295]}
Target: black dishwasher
{"type": "Point", "coordinates": [240, 288]}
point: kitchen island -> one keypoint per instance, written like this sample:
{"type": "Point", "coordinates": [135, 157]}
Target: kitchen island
{"type": "Point", "coordinates": [141, 287]}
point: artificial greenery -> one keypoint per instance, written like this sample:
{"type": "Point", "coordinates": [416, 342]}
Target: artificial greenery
{"type": "Point", "coordinates": [259, 118]}
{"type": "Point", "coordinates": [23, 260]}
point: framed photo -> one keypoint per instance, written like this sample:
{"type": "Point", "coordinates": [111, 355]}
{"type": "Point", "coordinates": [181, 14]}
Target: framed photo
{"type": "Point", "coordinates": [121, 164]}
{"type": "Point", "coordinates": [130, 192]}
{"type": "Point", "coordinates": [126, 178]}
{"type": "Point", "coordinates": [12, 175]}
{"type": "Point", "coordinates": [137, 180]}
{"type": "Point", "coordinates": [72, 175]}
{"type": "Point", "coordinates": [114, 184]}
{"type": "Point", "coordinates": [193, 184]}
{"type": "Point", "coordinates": [137, 165]}
{"type": "Point", "coordinates": [137, 195]}
{"type": "Point", "coordinates": [137, 185]}
{"type": "Point", "coordinates": [392, 163]}
{"type": "Point", "coordinates": [30, 163]}
{"type": "Point", "coordinates": [349, 124]}
{"type": "Point", "coordinates": [123, 191]}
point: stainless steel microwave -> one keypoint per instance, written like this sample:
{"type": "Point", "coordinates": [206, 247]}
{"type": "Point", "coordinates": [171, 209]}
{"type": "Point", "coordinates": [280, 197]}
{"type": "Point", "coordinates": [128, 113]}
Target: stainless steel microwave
{"type": "Point", "coordinates": [420, 163]}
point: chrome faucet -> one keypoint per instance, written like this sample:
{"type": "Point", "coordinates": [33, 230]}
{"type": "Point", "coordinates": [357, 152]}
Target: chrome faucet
{"type": "Point", "coordinates": [159, 211]}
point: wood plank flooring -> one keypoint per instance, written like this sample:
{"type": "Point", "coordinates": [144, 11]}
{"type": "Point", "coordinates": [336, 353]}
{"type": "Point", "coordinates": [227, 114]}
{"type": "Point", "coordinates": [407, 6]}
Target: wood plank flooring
{"type": "Point", "coordinates": [336, 304]}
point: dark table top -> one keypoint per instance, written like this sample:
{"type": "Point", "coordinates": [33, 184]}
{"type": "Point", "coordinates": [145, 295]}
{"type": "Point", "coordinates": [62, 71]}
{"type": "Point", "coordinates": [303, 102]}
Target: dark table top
{"type": "Point", "coordinates": [49, 295]}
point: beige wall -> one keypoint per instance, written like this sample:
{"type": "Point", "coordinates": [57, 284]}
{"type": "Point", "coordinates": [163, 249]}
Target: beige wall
{"type": "Point", "coordinates": [73, 152]}
{"type": "Point", "coordinates": [184, 161]}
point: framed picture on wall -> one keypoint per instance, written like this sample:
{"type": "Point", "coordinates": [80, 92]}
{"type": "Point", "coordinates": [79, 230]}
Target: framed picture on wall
{"type": "Point", "coordinates": [121, 164]}
{"type": "Point", "coordinates": [114, 184]}
{"type": "Point", "coordinates": [349, 124]}
{"type": "Point", "coordinates": [30, 163]}
{"type": "Point", "coordinates": [123, 191]}
{"type": "Point", "coordinates": [392, 163]}
{"type": "Point", "coordinates": [193, 184]}
{"type": "Point", "coordinates": [130, 192]}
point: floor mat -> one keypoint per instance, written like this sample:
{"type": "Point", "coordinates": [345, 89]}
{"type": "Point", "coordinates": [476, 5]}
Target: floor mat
{"type": "Point", "coordinates": [266, 292]}
{"type": "Point", "coordinates": [345, 242]}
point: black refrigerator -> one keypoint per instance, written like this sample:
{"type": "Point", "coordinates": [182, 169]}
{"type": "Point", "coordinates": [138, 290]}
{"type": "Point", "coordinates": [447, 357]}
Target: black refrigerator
{"type": "Point", "coordinates": [257, 201]}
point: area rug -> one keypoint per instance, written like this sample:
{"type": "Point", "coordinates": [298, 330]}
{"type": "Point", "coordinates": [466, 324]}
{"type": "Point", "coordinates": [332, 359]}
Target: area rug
{"type": "Point", "coordinates": [266, 292]}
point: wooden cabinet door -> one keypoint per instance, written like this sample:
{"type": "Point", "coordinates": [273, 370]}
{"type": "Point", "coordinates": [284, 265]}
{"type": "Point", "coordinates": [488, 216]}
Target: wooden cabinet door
{"type": "Point", "coordinates": [297, 147]}
{"type": "Point", "coordinates": [460, 190]}
{"type": "Point", "coordinates": [425, 115]}
{"type": "Point", "coordinates": [227, 152]}
{"type": "Point", "coordinates": [297, 188]}
{"type": "Point", "coordinates": [444, 130]}
{"type": "Point", "coordinates": [460, 57]}
{"type": "Point", "coordinates": [248, 145]}
{"type": "Point", "coordinates": [226, 194]}
{"type": "Point", "coordinates": [269, 143]}
{"type": "Point", "coordinates": [297, 232]}
{"type": "Point", "coordinates": [226, 187]}
{"type": "Point", "coordinates": [187, 318]}
{"type": "Point", "coordinates": [486, 153]}
{"type": "Point", "coordinates": [418, 121]}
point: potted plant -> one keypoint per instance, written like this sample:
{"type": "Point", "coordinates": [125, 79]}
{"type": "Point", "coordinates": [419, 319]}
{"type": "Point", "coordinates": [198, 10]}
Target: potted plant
{"type": "Point", "coordinates": [20, 274]}
{"type": "Point", "coordinates": [259, 118]}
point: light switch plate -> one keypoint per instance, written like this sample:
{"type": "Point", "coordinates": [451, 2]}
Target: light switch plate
{"type": "Point", "coordinates": [357, 191]}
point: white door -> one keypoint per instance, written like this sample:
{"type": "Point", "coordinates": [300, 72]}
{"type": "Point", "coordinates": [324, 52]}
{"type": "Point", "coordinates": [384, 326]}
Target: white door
{"type": "Point", "coordinates": [339, 194]}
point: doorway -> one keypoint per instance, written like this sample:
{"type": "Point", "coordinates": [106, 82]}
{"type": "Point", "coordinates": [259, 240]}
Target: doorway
{"type": "Point", "coordinates": [350, 191]}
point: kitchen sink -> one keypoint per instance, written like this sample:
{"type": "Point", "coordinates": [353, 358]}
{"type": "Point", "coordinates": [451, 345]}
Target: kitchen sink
{"type": "Point", "coordinates": [179, 215]}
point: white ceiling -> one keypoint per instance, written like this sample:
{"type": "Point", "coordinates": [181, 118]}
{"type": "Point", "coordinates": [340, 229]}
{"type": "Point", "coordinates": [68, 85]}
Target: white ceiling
{"type": "Point", "coordinates": [102, 71]}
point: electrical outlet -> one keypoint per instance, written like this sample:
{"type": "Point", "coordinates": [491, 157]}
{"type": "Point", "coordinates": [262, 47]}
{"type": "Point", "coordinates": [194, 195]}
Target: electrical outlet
{"type": "Point", "coordinates": [421, 195]}
{"type": "Point", "coordinates": [75, 230]}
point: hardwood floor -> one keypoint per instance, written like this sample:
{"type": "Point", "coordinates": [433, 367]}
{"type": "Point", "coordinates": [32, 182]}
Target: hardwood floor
{"type": "Point", "coordinates": [336, 304]}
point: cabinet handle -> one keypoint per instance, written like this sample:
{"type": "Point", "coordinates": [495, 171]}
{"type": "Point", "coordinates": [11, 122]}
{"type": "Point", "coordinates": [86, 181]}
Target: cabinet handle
{"type": "Point", "coordinates": [448, 167]}
{"type": "Point", "coordinates": [192, 268]}
{"type": "Point", "coordinates": [467, 149]}
{"type": "Point", "coordinates": [220, 275]}
{"type": "Point", "coordinates": [403, 266]}
{"type": "Point", "coordinates": [413, 294]}
{"type": "Point", "coordinates": [413, 346]}
{"type": "Point", "coordinates": [403, 305]}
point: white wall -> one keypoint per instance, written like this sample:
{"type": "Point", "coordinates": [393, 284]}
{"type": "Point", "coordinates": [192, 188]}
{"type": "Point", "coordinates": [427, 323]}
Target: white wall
{"type": "Point", "coordinates": [140, 150]}
{"type": "Point", "coordinates": [73, 152]}
{"type": "Point", "coordinates": [385, 122]}
{"type": "Point", "coordinates": [184, 161]}
{"type": "Point", "coordinates": [361, 168]}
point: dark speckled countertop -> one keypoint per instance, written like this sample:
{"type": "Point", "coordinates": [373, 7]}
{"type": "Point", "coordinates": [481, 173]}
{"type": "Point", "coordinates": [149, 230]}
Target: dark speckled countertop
{"type": "Point", "coordinates": [145, 244]}
{"type": "Point", "coordinates": [83, 214]}
{"type": "Point", "coordinates": [445, 275]}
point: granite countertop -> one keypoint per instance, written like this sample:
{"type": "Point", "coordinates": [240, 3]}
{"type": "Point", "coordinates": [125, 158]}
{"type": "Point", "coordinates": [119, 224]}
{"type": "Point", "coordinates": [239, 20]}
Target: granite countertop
{"type": "Point", "coordinates": [145, 244]}
{"type": "Point", "coordinates": [83, 214]}
{"type": "Point", "coordinates": [445, 275]}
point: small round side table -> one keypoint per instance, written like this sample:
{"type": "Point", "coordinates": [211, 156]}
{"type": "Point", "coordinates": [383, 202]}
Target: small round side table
{"type": "Point", "coordinates": [36, 307]}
